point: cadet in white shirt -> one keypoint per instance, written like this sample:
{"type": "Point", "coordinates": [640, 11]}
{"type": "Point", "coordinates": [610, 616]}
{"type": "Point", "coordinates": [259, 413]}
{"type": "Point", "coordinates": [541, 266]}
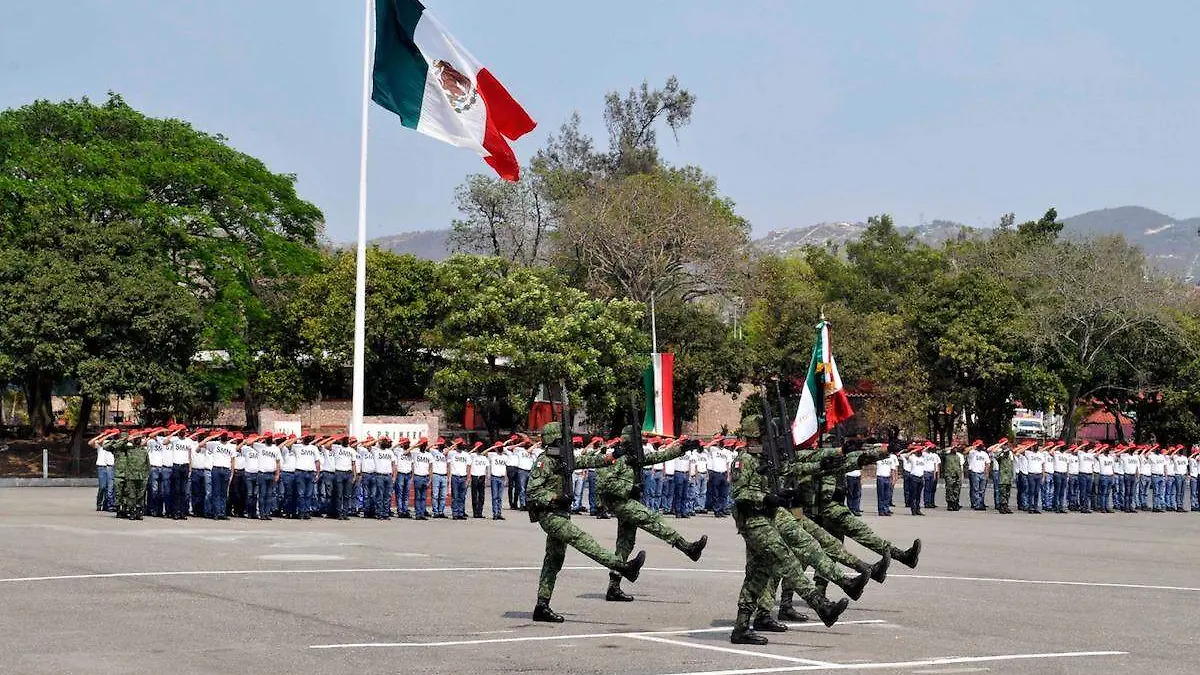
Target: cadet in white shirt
{"type": "Point", "coordinates": [237, 482]}
{"type": "Point", "coordinates": [365, 494]}
{"type": "Point", "coordinates": [933, 465]}
{"type": "Point", "coordinates": [719, 461]}
{"type": "Point", "coordinates": [105, 499]}
{"type": "Point", "coordinates": [404, 473]}
{"type": "Point", "coordinates": [700, 468]}
{"type": "Point", "coordinates": [978, 460]}
{"type": "Point", "coordinates": [422, 467]}
{"type": "Point", "coordinates": [249, 450]}
{"type": "Point", "coordinates": [1194, 476]}
{"type": "Point", "coordinates": [385, 477]}
{"type": "Point", "coordinates": [160, 474]}
{"type": "Point", "coordinates": [269, 460]}
{"type": "Point", "coordinates": [1106, 466]}
{"type": "Point", "coordinates": [181, 466]}
{"type": "Point", "coordinates": [345, 462]}
{"type": "Point", "coordinates": [221, 458]}
{"type": "Point", "coordinates": [308, 462]}
{"type": "Point", "coordinates": [1087, 471]}
{"type": "Point", "coordinates": [199, 480]}
{"type": "Point", "coordinates": [525, 457]}
{"type": "Point", "coordinates": [439, 470]}
{"type": "Point", "coordinates": [1179, 456]}
{"type": "Point", "coordinates": [498, 461]}
{"type": "Point", "coordinates": [479, 478]}
{"type": "Point", "coordinates": [885, 482]}
{"type": "Point", "coordinates": [460, 469]}
{"type": "Point", "coordinates": [289, 502]}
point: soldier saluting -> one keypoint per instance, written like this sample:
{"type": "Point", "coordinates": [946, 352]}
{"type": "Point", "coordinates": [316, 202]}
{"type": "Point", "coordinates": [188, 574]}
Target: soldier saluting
{"type": "Point", "coordinates": [549, 506]}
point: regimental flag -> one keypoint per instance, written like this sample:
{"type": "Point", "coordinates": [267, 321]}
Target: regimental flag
{"type": "Point", "coordinates": [824, 384]}
{"type": "Point", "coordinates": [436, 87]}
{"type": "Point", "coordinates": [658, 380]}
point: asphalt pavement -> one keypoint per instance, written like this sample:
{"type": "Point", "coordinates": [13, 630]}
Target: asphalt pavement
{"type": "Point", "coordinates": [83, 592]}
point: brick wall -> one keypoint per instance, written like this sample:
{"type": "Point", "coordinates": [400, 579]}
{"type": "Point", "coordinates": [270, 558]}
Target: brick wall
{"type": "Point", "coordinates": [716, 410]}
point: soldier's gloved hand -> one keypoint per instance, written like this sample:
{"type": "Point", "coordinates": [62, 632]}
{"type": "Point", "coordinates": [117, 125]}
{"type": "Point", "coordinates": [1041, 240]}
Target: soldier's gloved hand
{"type": "Point", "coordinates": [620, 451]}
{"type": "Point", "coordinates": [562, 501]}
{"type": "Point", "coordinates": [635, 492]}
{"type": "Point", "coordinates": [830, 463]}
{"type": "Point", "coordinates": [787, 495]}
{"type": "Point", "coordinates": [772, 502]}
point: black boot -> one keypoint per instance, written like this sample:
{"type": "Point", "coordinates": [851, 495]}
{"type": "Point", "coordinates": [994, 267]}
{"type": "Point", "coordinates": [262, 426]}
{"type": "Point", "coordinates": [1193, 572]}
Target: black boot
{"type": "Point", "coordinates": [694, 549]}
{"type": "Point", "coordinates": [788, 613]}
{"type": "Point", "coordinates": [633, 567]}
{"type": "Point", "coordinates": [764, 622]}
{"type": "Point", "coordinates": [909, 557]}
{"type": "Point", "coordinates": [880, 569]}
{"type": "Point", "coordinates": [542, 612]}
{"type": "Point", "coordinates": [615, 594]}
{"type": "Point", "coordinates": [742, 633]}
{"type": "Point", "coordinates": [829, 611]}
{"type": "Point", "coordinates": [853, 588]}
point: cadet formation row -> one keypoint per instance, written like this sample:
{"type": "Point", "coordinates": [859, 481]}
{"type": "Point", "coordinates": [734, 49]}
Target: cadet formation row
{"type": "Point", "coordinates": [171, 472]}
{"type": "Point", "coordinates": [1081, 477]}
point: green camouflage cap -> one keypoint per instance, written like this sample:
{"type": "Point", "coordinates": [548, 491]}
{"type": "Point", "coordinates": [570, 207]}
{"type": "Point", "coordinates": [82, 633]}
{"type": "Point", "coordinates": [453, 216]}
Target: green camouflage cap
{"type": "Point", "coordinates": [551, 433]}
{"type": "Point", "coordinates": [627, 433]}
{"type": "Point", "coordinates": [751, 426]}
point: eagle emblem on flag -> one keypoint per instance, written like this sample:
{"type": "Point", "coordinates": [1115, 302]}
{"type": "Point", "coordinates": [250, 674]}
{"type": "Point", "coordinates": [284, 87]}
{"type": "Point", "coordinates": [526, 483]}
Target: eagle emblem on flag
{"type": "Point", "coordinates": [459, 88]}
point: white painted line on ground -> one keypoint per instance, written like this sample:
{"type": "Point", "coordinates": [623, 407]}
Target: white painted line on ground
{"type": "Point", "coordinates": [729, 650]}
{"type": "Point", "coordinates": [1047, 582]}
{"type": "Point", "coordinates": [575, 636]}
{"type": "Point", "coordinates": [950, 660]}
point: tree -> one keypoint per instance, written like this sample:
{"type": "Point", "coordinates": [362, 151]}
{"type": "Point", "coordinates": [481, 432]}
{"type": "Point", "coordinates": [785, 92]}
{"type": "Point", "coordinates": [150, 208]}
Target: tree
{"type": "Point", "coordinates": [507, 332]}
{"type": "Point", "coordinates": [631, 122]}
{"type": "Point", "coordinates": [219, 224]}
{"type": "Point", "coordinates": [503, 219]}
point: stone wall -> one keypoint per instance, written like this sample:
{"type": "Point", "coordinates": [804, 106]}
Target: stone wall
{"type": "Point", "coordinates": [718, 409]}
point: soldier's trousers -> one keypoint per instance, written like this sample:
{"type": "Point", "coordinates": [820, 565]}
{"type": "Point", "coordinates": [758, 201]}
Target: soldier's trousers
{"type": "Point", "coordinates": [132, 498]}
{"type": "Point", "coordinates": [632, 515]}
{"type": "Point", "coordinates": [813, 547]}
{"type": "Point", "coordinates": [1005, 489]}
{"type": "Point", "coordinates": [120, 496]}
{"type": "Point", "coordinates": [954, 491]}
{"type": "Point", "coordinates": [769, 557]}
{"type": "Point", "coordinates": [561, 533]}
{"type": "Point", "coordinates": [839, 521]}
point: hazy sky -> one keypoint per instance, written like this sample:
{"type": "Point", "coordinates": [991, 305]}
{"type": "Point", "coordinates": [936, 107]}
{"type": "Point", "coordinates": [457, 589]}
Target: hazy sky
{"type": "Point", "coordinates": [806, 112]}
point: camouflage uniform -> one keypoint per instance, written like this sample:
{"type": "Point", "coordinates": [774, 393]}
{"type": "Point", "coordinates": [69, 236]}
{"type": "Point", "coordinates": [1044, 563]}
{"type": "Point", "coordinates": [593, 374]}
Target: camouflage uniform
{"type": "Point", "coordinates": [768, 556]}
{"type": "Point", "coordinates": [137, 472]}
{"type": "Point", "coordinates": [1004, 466]}
{"type": "Point", "coordinates": [952, 463]}
{"type": "Point", "coordinates": [120, 451]}
{"type": "Point", "coordinates": [615, 485]}
{"type": "Point", "coordinates": [545, 486]}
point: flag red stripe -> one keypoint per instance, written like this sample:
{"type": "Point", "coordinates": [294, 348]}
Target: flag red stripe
{"type": "Point", "coordinates": [668, 394]}
{"type": "Point", "coordinates": [500, 154]}
{"type": "Point", "coordinates": [837, 409]}
{"type": "Point", "coordinates": [509, 117]}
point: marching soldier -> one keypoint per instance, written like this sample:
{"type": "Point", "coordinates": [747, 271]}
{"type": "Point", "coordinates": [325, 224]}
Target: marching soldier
{"type": "Point", "coordinates": [549, 506]}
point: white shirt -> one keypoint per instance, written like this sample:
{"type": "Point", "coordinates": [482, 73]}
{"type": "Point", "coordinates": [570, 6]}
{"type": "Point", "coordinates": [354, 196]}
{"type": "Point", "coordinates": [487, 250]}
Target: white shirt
{"type": "Point", "coordinates": [932, 461]}
{"type": "Point", "coordinates": [1022, 464]}
{"type": "Point", "coordinates": [683, 463]}
{"type": "Point", "coordinates": [1169, 466]}
{"type": "Point", "coordinates": [1107, 464]}
{"type": "Point", "coordinates": [385, 461]}
{"type": "Point", "coordinates": [154, 449]}
{"type": "Point", "coordinates": [906, 462]}
{"type": "Point", "coordinates": [1048, 462]}
{"type": "Point", "coordinates": [1181, 465]}
{"type": "Point", "coordinates": [250, 452]}
{"type": "Point", "coordinates": [104, 456]}
{"type": "Point", "coordinates": [199, 454]}
{"type": "Point", "coordinates": [438, 464]}
{"type": "Point", "coordinates": [289, 457]}
{"type": "Point", "coordinates": [343, 457]}
{"type": "Point", "coordinates": [366, 460]}
{"type": "Point", "coordinates": [1119, 464]}
{"type": "Point", "coordinates": [857, 473]}
{"type": "Point", "coordinates": [977, 460]}
{"type": "Point", "coordinates": [460, 462]}
{"type": "Point", "coordinates": [701, 460]}
{"type": "Point", "coordinates": [1194, 467]}
{"type": "Point", "coordinates": [328, 459]}
{"type": "Point", "coordinates": [525, 459]}
{"type": "Point", "coordinates": [222, 455]}
{"type": "Point", "coordinates": [179, 451]}
{"type": "Point", "coordinates": [306, 456]}
{"type": "Point", "coordinates": [1072, 463]}
{"type": "Point", "coordinates": [404, 462]}
{"type": "Point", "coordinates": [718, 459]}
{"type": "Point", "coordinates": [498, 462]}
{"type": "Point", "coordinates": [1087, 461]}
{"type": "Point", "coordinates": [1158, 464]}
{"type": "Point", "coordinates": [918, 465]}
{"type": "Point", "coordinates": [269, 458]}
{"type": "Point", "coordinates": [1060, 461]}
{"type": "Point", "coordinates": [422, 460]}
{"type": "Point", "coordinates": [479, 464]}
{"type": "Point", "coordinates": [885, 467]}
{"type": "Point", "coordinates": [239, 459]}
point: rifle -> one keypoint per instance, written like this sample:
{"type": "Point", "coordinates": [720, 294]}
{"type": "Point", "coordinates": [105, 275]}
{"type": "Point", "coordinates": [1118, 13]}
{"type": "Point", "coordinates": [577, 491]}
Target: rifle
{"type": "Point", "coordinates": [566, 449]}
{"type": "Point", "coordinates": [637, 450]}
{"type": "Point", "coordinates": [771, 461]}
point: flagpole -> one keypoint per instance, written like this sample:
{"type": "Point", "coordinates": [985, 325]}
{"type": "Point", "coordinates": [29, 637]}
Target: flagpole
{"type": "Point", "coordinates": [653, 327]}
{"type": "Point", "coordinates": [360, 277]}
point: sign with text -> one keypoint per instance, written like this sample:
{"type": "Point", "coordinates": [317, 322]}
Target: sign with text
{"type": "Point", "coordinates": [395, 431]}
{"type": "Point", "coordinates": [292, 428]}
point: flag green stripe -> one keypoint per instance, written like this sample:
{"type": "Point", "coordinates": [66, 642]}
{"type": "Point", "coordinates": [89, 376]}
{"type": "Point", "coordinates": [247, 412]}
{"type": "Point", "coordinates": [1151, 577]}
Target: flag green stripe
{"type": "Point", "coordinates": [648, 385]}
{"type": "Point", "coordinates": [400, 69]}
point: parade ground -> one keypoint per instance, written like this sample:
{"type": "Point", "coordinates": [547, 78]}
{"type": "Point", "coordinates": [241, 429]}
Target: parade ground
{"type": "Point", "coordinates": [84, 592]}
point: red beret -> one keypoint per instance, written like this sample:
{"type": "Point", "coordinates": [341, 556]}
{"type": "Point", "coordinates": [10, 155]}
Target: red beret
{"type": "Point", "coordinates": [422, 441]}
{"type": "Point", "coordinates": [403, 440]}
{"type": "Point", "coordinates": [477, 445]}
{"type": "Point", "coordinates": [613, 441]}
{"type": "Point", "coordinates": [598, 439]}
{"type": "Point", "coordinates": [458, 440]}
{"type": "Point", "coordinates": [976, 443]}
{"type": "Point", "coordinates": [441, 441]}
{"type": "Point", "coordinates": [730, 443]}
{"type": "Point", "coordinates": [577, 439]}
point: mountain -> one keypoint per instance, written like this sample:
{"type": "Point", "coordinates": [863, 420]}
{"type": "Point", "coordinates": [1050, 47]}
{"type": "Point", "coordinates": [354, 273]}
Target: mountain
{"type": "Point", "coordinates": [427, 244]}
{"type": "Point", "coordinates": [836, 234]}
{"type": "Point", "coordinates": [1172, 245]}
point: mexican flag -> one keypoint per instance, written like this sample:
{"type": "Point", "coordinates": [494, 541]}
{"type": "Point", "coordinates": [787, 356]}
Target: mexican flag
{"type": "Point", "coordinates": [436, 87]}
{"type": "Point", "coordinates": [660, 406]}
{"type": "Point", "coordinates": [823, 384]}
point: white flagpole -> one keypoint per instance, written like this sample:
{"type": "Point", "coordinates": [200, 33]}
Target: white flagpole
{"type": "Point", "coordinates": [653, 328]}
{"type": "Point", "coordinates": [360, 277]}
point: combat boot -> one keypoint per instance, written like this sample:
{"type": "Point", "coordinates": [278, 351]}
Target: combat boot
{"type": "Point", "coordinates": [880, 569]}
{"type": "Point", "coordinates": [633, 567]}
{"type": "Point", "coordinates": [694, 549]}
{"type": "Point", "coordinates": [542, 612]}
{"type": "Point", "coordinates": [829, 611]}
{"type": "Point", "coordinates": [615, 594]}
{"type": "Point", "coordinates": [742, 633]}
{"type": "Point", "coordinates": [909, 557]}
{"type": "Point", "coordinates": [853, 587]}
{"type": "Point", "coordinates": [788, 613]}
{"type": "Point", "coordinates": [764, 622]}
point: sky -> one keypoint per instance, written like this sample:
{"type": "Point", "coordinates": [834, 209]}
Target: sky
{"type": "Point", "coordinates": [806, 112]}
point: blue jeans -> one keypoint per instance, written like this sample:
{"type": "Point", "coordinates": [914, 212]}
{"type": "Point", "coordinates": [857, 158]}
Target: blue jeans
{"type": "Point", "coordinates": [976, 481]}
{"type": "Point", "coordinates": [370, 497]}
{"type": "Point", "coordinates": [1073, 492]}
{"type": "Point", "coordinates": [266, 493]}
{"type": "Point", "coordinates": [679, 493]}
{"type": "Point", "coordinates": [1085, 492]}
{"type": "Point", "coordinates": [1180, 492]}
{"type": "Point", "coordinates": [252, 495]}
{"type": "Point", "coordinates": [1159, 498]}
{"type": "Point", "coordinates": [384, 485]}
{"type": "Point", "coordinates": [650, 489]}
{"type": "Point", "coordinates": [154, 491]}
{"type": "Point", "coordinates": [1048, 491]}
{"type": "Point", "coordinates": [576, 492]}
{"type": "Point", "coordinates": [1129, 502]}
{"type": "Point", "coordinates": [339, 500]}
{"type": "Point", "coordinates": [179, 485]}
{"type": "Point", "coordinates": [458, 496]}
{"type": "Point", "coordinates": [104, 490]}
{"type": "Point", "coordinates": [666, 492]}
{"type": "Point", "coordinates": [718, 485]}
{"type": "Point", "coordinates": [219, 492]}
{"type": "Point", "coordinates": [522, 483]}
{"type": "Point", "coordinates": [1022, 481]}
{"type": "Point", "coordinates": [1033, 486]}
{"type": "Point", "coordinates": [590, 482]}
{"type": "Point", "coordinates": [306, 492]}
{"type": "Point", "coordinates": [1195, 494]}
{"type": "Point", "coordinates": [403, 483]}
{"type": "Point", "coordinates": [690, 505]}
{"type": "Point", "coordinates": [420, 492]}
{"type": "Point", "coordinates": [854, 494]}
{"type": "Point", "coordinates": [883, 495]}
{"type": "Point", "coordinates": [1060, 491]}
{"type": "Point", "coordinates": [1102, 492]}
{"type": "Point", "coordinates": [497, 494]}
{"type": "Point", "coordinates": [290, 504]}
{"type": "Point", "coordinates": [439, 495]}
{"type": "Point", "coordinates": [930, 489]}
{"type": "Point", "coordinates": [199, 494]}
{"type": "Point", "coordinates": [701, 502]}
{"type": "Point", "coordinates": [324, 491]}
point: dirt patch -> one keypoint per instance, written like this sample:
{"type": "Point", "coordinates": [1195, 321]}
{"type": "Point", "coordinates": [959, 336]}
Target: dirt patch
{"type": "Point", "coordinates": [23, 459]}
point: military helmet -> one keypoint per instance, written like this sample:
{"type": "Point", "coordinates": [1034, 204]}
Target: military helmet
{"type": "Point", "coordinates": [551, 433]}
{"type": "Point", "coordinates": [627, 433]}
{"type": "Point", "coordinates": [751, 426]}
